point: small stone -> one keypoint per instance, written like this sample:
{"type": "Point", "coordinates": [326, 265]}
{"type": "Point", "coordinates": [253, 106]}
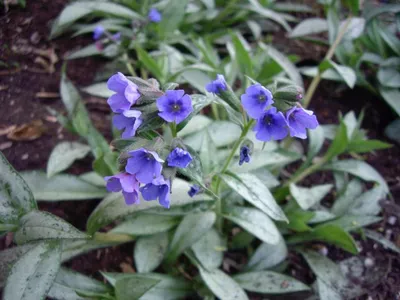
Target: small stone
{"type": "Point", "coordinates": [392, 220]}
{"type": "Point", "coordinates": [5, 145]}
{"type": "Point", "coordinates": [369, 262]}
{"type": "Point", "coordinates": [35, 38]}
{"type": "Point", "coordinates": [388, 233]}
{"type": "Point", "coordinates": [25, 156]}
{"type": "Point", "coordinates": [323, 251]}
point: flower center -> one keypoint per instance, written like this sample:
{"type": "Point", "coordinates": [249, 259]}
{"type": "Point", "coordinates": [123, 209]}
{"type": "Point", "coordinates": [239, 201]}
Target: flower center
{"type": "Point", "coordinates": [261, 98]}
{"type": "Point", "coordinates": [149, 156]}
{"type": "Point", "coordinates": [176, 107]}
{"type": "Point", "coordinates": [268, 120]}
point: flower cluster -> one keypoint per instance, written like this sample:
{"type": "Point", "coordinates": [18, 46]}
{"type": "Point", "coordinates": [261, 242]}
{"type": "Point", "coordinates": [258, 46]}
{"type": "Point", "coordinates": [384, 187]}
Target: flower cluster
{"type": "Point", "coordinates": [143, 169]}
{"type": "Point", "coordinates": [272, 124]}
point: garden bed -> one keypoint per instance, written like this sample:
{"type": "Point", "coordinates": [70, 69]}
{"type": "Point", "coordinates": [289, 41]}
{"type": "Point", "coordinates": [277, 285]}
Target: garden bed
{"type": "Point", "coordinates": [25, 30]}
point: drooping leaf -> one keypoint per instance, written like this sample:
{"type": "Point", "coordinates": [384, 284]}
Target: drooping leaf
{"type": "Point", "coordinates": [63, 155]}
{"type": "Point", "coordinates": [269, 282]}
{"type": "Point", "coordinates": [149, 251]}
{"type": "Point", "coordinates": [223, 286]}
{"type": "Point", "coordinates": [33, 274]}
{"type": "Point", "coordinates": [255, 222]}
{"type": "Point", "coordinates": [368, 202]}
{"type": "Point", "coordinates": [16, 197]}
{"type": "Point", "coordinates": [382, 240]}
{"type": "Point", "coordinates": [309, 26]}
{"type": "Point", "coordinates": [146, 224]}
{"type": "Point", "coordinates": [353, 222]}
{"type": "Point", "coordinates": [113, 207]}
{"type": "Point", "coordinates": [391, 96]}
{"type": "Point", "coordinates": [267, 256]}
{"type": "Point", "coordinates": [61, 187]}
{"type": "Point", "coordinates": [190, 230]}
{"type": "Point", "coordinates": [68, 284]}
{"type": "Point", "coordinates": [269, 14]}
{"type": "Point", "coordinates": [38, 225]}
{"type": "Point", "coordinates": [352, 190]}
{"type": "Point", "coordinates": [133, 287]}
{"type": "Point", "coordinates": [209, 249]}
{"type": "Point", "coordinates": [99, 89]}
{"type": "Point", "coordinates": [255, 191]}
{"type": "Point", "coordinates": [308, 197]}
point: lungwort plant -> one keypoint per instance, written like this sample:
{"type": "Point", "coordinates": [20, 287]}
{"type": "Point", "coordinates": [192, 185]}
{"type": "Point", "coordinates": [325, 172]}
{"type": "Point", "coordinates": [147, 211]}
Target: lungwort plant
{"type": "Point", "coordinates": [187, 188]}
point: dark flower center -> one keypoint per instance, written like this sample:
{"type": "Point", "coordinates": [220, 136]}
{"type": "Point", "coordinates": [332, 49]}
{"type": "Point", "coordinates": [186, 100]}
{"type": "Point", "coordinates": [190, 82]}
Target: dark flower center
{"type": "Point", "coordinates": [261, 98]}
{"type": "Point", "coordinates": [176, 107]}
{"type": "Point", "coordinates": [149, 156]}
{"type": "Point", "coordinates": [268, 120]}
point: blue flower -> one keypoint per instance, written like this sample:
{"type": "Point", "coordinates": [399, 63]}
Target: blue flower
{"type": "Point", "coordinates": [126, 93]}
{"type": "Point", "coordinates": [244, 155]}
{"type": "Point", "coordinates": [125, 182]}
{"type": "Point", "coordinates": [116, 37]}
{"type": "Point", "coordinates": [194, 189]}
{"type": "Point", "coordinates": [158, 188]}
{"type": "Point", "coordinates": [256, 99]}
{"type": "Point", "coordinates": [145, 164]}
{"type": "Point", "coordinates": [98, 32]}
{"type": "Point", "coordinates": [271, 125]}
{"type": "Point", "coordinates": [298, 120]}
{"type": "Point", "coordinates": [174, 106]}
{"type": "Point", "coordinates": [130, 120]}
{"type": "Point", "coordinates": [217, 86]}
{"type": "Point", "coordinates": [179, 158]}
{"type": "Point", "coordinates": [154, 15]}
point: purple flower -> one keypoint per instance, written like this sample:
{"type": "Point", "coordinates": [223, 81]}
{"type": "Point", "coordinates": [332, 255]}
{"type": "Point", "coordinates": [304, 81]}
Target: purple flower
{"type": "Point", "coordinates": [126, 93]}
{"type": "Point", "coordinates": [154, 15]}
{"type": "Point", "coordinates": [179, 158]}
{"type": "Point", "coordinates": [130, 120]}
{"type": "Point", "coordinates": [98, 32]}
{"type": "Point", "coordinates": [158, 188]}
{"type": "Point", "coordinates": [194, 189]}
{"type": "Point", "coordinates": [174, 106]}
{"type": "Point", "coordinates": [125, 182]}
{"type": "Point", "coordinates": [271, 125]}
{"type": "Point", "coordinates": [299, 119]}
{"type": "Point", "coordinates": [217, 86]}
{"type": "Point", "coordinates": [255, 100]}
{"type": "Point", "coordinates": [116, 36]}
{"type": "Point", "coordinates": [145, 164]}
{"type": "Point", "coordinates": [244, 155]}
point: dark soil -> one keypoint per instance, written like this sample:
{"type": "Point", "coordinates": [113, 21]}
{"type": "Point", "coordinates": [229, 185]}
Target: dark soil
{"type": "Point", "coordinates": [22, 79]}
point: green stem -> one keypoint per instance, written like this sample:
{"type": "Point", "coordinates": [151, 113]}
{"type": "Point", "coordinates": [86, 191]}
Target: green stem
{"type": "Point", "coordinates": [311, 169]}
{"type": "Point", "coordinates": [173, 129]}
{"type": "Point", "coordinates": [218, 208]}
{"type": "Point", "coordinates": [112, 237]}
{"type": "Point", "coordinates": [128, 64]}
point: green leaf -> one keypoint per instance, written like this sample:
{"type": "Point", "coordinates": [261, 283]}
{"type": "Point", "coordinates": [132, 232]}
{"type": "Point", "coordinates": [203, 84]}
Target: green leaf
{"type": "Point", "coordinates": [223, 286]}
{"type": "Point", "coordinates": [63, 156]}
{"type": "Point", "coordinates": [353, 5]}
{"type": "Point", "coordinates": [290, 69]}
{"type": "Point", "coordinates": [309, 26]}
{"type": "Point", "coordinates": [255, 222]}
{"type": "Point", "coordinates": [209, 249]}
{"type": "Point", "coordinates": [389, 77]}
{"type": "Point", "coordinates": [360, 169]}
{"type": "Point", "coordinates": [328, 233]}
{"type": "Point", "coordinates": [149, 251]}
{"type": "Point", "coordinates": [68, 284]}
{"type": "Point", "coordinates": [207, 154]}
{"type": "Point", "coordinates": [169, 288]}
{"type": "Point", "coordinates": [99, 89]}
{"type": "Point", "coordinates": [240, 53]}
{"type": "Point", "coordinates": [33, 274]}
{"type": "Point", "coordinates": [363, 146]}
{"type": "Point", "coordinates": [15, 196]}
{"type": "Point", "coordinates": [381, 9]}
{"type": "Point", "coordinates": [133, 288]}
{"type": "Point", "coordinates": [299, 219]}
{"type": "Point", "coordinates": [255, 191]}
{"type": "Point", "coordinates": [77, 10]}
{"type": "Point", "coordinates": [9, 256]}
{"type": "Point", "coordinates": [330, 274]}
{"type": "Point", "coordinates": [348, 75]}
{"type": "Point", "coordinates": [352, 190]}
{"type": "Point", "coordinates": [198, 103]}
{"type": "Point", "coordinates": [198, 79]}
{"type": "Point", "coordinates": [146, 224]}
{"type": "Point", "coordinates": [391, 96]}
{"type": "Point", "coordinates": [150, 63]}
{"type": "Point", "coordinates": [316, 138]}
{"type": "Point", "coordinates": [392, 131]}
{"type": "Point", "coordinates": [308, 197]}
{"type": "Point", "coordinates": [196, 124]}
{"type": "Point", "coordinates": [93, 178]}
{"type": "Point", "coordinates": [172, 16]}
{"type": "Point", "coordinates": [87, 51]}
{"type": "Point", "coordinates": [37, 225]}
{"type": "Point", "coordinates": [382, 240]}
{"type": "Point", "coordinates": [339, 144]}
{"type": "Point", "coordinates": [269, 282]}
{"type": "Point", "coordinates": [267, 256]}
{"type": "Point", "coordinates": [353, 222]}
{"type": "Point", "coordinates": [113, 207]}
{"type": "Point", "coordinates": [368, 202]}
{"type": "Point", "coordinates": [269, 14]}
{"type": "Point", "coordinates": [61, 187]}
{"type": "Point", "coordinates": [189, 231]}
